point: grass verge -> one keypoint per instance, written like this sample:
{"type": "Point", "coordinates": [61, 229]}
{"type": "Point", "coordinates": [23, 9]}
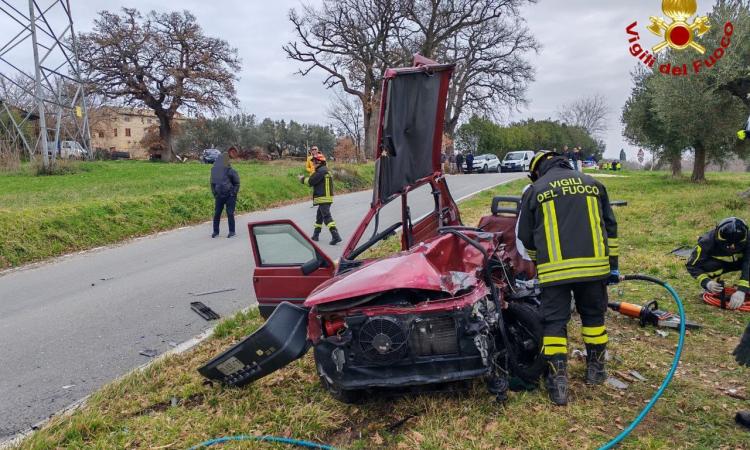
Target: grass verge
{"type": "Point", "coordinates": [105, 202]}
{"type": "Point", "coordinates": [169, 406]}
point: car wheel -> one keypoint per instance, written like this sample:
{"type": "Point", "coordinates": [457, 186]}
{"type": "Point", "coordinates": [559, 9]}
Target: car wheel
{"type": "Point", "coordinates": [499, 169]}
{"type": "Point", "coordinates": [524, 327]}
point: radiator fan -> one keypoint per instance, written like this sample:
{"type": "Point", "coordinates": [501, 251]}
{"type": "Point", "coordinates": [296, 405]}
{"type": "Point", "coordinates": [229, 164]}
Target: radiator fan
{"type": "Point", "coordinates": [383, 340]}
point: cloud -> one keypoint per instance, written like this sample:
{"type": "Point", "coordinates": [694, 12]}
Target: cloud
{"type": "Point", "coordinates": [585, 50]}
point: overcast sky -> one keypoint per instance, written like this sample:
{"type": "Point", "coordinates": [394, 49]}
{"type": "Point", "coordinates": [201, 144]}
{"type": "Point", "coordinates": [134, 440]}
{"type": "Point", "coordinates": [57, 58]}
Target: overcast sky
{"type": "Point", "coordinates": [585, 51]}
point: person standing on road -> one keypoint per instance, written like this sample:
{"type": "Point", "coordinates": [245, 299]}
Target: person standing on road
{"type": "Point", "coordinates": [322, 183]}
{"type": "Point", "coordinates": [460, 163]}
{"type": "Point", "coordinates": [309, 165]}
{"type": "Point", "coordinates": [724, 249]}
{"type": "Point", "coordinates": [451, 162]}
{"type": "Point", "coordinates": [470, 163]}
{"type": "Point", "coordinates": [225, 185]}
{"type": "Point", "coordinates": [568, 228]}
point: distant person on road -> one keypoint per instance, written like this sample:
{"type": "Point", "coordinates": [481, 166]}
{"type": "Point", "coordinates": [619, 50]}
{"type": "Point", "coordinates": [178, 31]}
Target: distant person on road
{"type": "Point", "coordinates": [451, 162]}
{"type": "Point", "coordinates": [470, 163]}
{"type": "Point", "coordinates": [225, 184]}
{"type": "Point", "coordinates": [460, 163]}
{"type": "Point", "coordinates": [322, 183]}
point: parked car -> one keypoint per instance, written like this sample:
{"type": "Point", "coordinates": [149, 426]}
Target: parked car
{"type": "Point", "coordinates": [486, 163]}
{"type": "Point", "coordinates": [457, 302]}
{"type": "Point", "coordinates": [517, 161]}
{"type": "Point", "coordinates": [209, 155]}
{"type": "Point", "coordinates": [67, 150]}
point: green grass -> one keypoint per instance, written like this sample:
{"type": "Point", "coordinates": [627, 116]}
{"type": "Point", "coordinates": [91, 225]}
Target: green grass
{"type": "Point", "coordinates": [107, 202]}
{"type": "Point", "coordinates": [695, 412]}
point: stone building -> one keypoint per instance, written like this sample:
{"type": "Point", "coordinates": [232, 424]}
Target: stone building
{"type": "Point", "coordinates": [122, 129]}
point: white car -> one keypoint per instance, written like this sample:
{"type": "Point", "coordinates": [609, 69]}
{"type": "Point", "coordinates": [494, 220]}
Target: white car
{"type": "Point", "coordinates": [486, 163]}
{"type": "Point", "coordinates": [517, 161]}
{"type": "Point", "coordinates": [67, 150]}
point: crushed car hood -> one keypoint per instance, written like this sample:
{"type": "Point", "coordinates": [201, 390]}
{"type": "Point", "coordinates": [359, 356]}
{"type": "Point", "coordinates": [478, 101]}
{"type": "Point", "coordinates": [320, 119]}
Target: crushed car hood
{"type": "Point", "coordinates": [443, 264]}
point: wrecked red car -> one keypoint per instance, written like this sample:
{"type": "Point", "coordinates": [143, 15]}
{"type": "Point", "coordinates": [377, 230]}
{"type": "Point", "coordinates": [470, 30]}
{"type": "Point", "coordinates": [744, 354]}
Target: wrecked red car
{"type": "Point", "coordinates": [456, 303]}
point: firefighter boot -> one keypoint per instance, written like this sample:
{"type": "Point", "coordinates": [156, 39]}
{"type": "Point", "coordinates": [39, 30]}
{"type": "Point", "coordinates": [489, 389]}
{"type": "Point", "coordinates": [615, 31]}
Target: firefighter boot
{"type": "Point", "coordinates": [335, 237]}
{"type": "Point", "coordinates": [316, 235]}
{"type": "Point", "coordinates": [557, 379]}
{"type": "Point", "coordinates": [595, 356]}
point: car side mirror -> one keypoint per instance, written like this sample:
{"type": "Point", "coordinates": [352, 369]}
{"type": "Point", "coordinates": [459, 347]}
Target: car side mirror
{"type": "Point", "coordinates": [311, 266]}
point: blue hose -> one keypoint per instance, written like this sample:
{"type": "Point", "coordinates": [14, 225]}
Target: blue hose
{"type": "Point", "coordinates": [672, 370]}
{"type": "Point", "coordinates": [275, 439]}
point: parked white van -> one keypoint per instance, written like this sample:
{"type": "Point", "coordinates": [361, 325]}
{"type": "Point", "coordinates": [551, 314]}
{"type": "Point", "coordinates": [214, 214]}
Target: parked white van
{"type": "Point", "coordinates": [517, 161]}
{"type": "Point", "coordinates": [67, 150]}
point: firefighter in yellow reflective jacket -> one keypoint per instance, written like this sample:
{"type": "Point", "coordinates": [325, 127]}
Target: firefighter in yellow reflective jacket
{"type": "Point", "coordinates": [322, 184]}
{"type": "Point", "coordinates": [568, 228]}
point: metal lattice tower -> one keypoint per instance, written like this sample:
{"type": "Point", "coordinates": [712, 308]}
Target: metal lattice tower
{"type": "Point", "coordinates": [40, 64]}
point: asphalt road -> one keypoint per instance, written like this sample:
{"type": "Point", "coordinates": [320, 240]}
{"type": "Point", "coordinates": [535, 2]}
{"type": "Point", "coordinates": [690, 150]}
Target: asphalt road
{"type": "Point", "coordinates": [70, 326]}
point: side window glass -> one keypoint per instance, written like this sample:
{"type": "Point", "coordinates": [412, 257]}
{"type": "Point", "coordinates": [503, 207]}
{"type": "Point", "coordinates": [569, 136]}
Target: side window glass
{"type": "Point", "coordinates": [282, 245]}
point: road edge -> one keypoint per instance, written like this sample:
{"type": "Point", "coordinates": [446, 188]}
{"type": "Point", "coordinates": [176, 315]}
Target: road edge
{"type": "Point", "coordinates": [183, 347]}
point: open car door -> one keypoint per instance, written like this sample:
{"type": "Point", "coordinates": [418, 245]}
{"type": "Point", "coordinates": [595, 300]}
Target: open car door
{"type": "Point", "coordinates": [288, 265]}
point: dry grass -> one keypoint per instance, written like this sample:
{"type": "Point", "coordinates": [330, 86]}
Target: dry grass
{"type": "Point", "coordinates": [170, 406]}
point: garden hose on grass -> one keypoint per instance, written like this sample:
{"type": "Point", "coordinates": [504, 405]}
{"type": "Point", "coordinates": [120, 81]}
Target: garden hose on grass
{"type": "Point", "coordinates": [272, 439]}
{"type": "Point", "coordinates": [715, 299]}
{"type": "Point", "coordinates": [672, 370]}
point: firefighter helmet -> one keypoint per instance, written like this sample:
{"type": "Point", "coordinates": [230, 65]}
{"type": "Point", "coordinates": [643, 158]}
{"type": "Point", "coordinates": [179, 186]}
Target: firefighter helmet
{"type": "Point", "coordinates": [537, 160]}
{"type": "Point", "coordinates": [732, 231]}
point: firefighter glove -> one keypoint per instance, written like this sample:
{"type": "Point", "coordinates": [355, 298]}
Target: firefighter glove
{"type": "Point", "coordinates": [737, 300]}
{"type": "Point", "coordinates": [614, 277]}
{"type": "Point", "coordinates": [713, 286]}
{"type": "Point", "coordinates": [742, 135]}
{"type": "Point", "coordinates": [301, 178]}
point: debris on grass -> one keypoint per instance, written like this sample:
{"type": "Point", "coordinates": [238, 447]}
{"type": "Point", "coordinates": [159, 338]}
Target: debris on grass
{"type": "Point", "coordinates": [635, 374]}
{"type": "Point", "coordinates": [617, 383]}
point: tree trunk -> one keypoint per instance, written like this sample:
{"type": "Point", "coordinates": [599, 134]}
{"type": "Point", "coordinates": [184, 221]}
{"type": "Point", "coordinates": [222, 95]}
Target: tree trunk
{"type": "Point", "coordinates": [165, 134]}
{"type": "Point", "coordinates": [676, 161]}
{"type": "Point", "coordinates": [371, 117]}
{"type": "Point", "coordinates": [699, 166]}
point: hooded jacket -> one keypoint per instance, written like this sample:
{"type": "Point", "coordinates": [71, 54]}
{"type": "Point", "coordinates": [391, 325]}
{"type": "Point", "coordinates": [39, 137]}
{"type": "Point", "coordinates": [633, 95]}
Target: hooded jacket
{"type": "Point", "coordinates": [567, 226]}
{"type": "Point", "coordinates": [224, 179]}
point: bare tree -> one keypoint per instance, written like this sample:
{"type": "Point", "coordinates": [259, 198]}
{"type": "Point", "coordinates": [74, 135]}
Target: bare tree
{"type": "Point", "coordinates": [354, 41]}
{"type": "Point", "coordinates": [163, 61]}
{"type": "Point", "coordinates": [16, 91]}
{"type": "Point", "coordinates": [589, 113]}
{"type": "Point", "coordinates": [351, 41]}
{"type": "Point", "coordinates": [346, 115]}
{"type": "Point", "coordinates": [491, 69]}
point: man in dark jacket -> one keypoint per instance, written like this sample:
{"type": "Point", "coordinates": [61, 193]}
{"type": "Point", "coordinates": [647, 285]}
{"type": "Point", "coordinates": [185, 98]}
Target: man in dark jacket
{"type": "Point", "coordinates": [724, 249]}
{"type": "Point", "coordinates": [470, 163]}
{"type": "Point", "coordinates": [322, 184]}
{"type": "Point", "coordinates": [225, 184]}
{"type": "Point", "coordinates": [568, 228]}
{"type": "Point", "coordinates": [460, 163]}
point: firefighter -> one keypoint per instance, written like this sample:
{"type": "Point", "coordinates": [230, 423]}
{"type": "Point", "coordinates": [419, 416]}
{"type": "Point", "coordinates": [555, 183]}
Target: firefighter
{"type": "Point", "coordinates": [322, 184]}
{"type": "Point", "coordinates": [568, 228]}
{"type": "Point", "coordinates": [722, 250]}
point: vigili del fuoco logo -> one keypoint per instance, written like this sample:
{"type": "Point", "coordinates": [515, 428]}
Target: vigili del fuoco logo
{"type": "Point", "coordinates": [678, 33]}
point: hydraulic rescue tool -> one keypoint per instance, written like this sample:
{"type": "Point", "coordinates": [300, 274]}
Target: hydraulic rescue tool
{"type": "Point", "coordinates": [650, 314]}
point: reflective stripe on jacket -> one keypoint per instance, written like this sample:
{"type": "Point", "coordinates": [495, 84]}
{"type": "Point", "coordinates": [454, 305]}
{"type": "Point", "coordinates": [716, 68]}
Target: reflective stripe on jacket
{"type": "Point", "coordinates": [567, 225]}
{"type": "Point", "coordinates": [322, 184]}
{"type": "Point", "coordinates": [710, 260]}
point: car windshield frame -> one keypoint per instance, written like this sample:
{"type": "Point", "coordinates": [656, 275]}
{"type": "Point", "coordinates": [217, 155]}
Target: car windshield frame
{"type": "Point", "coordinates": [520, 156]}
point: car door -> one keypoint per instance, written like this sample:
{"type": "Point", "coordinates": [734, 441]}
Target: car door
{"type": "Point", "coordinates": [288, 265]}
